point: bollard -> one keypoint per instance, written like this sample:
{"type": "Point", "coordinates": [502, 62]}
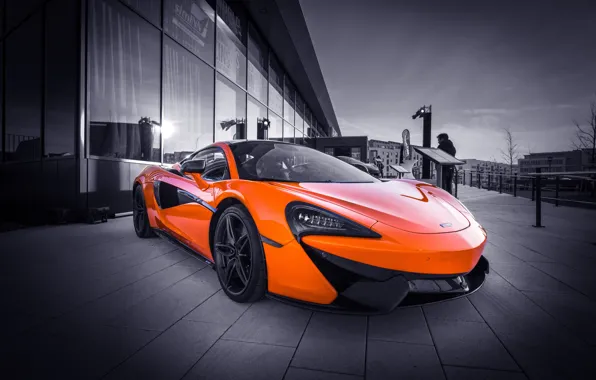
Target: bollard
{"type": "Point", "coordinates": [500, 183]}
{"type": "Point", "coordinates": [471, 179]}
{"type": "Point", "coordinates": [463, 178]}
{"type": "Point", "coordinates": [533, 183]}
{"type": "Point", "coordinates": [478, 179]}
{"type": "Point", "coordinates": [538, 199]}
{"type": "Point", "coordinates": [515, 186]}
{"type": "Point", "coordinates": [557, 191]}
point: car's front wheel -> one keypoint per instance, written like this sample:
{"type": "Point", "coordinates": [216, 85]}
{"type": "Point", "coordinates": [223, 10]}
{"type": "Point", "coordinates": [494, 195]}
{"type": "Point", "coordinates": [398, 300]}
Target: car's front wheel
{"type": "Point", "coordinates": [139, 215]}
{"type": "Point", "coordinates": [238, 255]}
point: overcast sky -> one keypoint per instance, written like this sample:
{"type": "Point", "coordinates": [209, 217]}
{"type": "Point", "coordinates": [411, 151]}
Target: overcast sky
{"type": "Point", "coordinates": [483, 67]}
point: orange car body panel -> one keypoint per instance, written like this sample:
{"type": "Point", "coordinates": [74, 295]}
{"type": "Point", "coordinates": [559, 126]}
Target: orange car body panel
{"type": "Point", "coordinates": [412, 240]}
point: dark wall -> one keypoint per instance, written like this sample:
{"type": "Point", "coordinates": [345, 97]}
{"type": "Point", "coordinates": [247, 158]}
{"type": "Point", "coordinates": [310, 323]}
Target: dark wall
{"type": "Point", "coordinates": [39, 88]}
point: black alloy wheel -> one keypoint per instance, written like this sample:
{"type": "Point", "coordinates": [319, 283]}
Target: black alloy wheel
{"type": "Point", "coordinates": [238, 254]}
{"type": "Point", "coordinates": [139, 215]}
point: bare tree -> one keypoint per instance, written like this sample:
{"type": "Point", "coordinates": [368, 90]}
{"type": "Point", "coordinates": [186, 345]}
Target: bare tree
{"type": "Point", "coordinates": [585, 136]}
{"type": "Point", "coordinates": [510, 154]}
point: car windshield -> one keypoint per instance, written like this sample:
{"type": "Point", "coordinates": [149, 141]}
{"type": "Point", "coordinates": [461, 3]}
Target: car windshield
{"type": "Point", "coordinates": [273, 161]}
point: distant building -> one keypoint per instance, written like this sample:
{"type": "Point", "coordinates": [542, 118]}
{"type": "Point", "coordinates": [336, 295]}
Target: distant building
{"type": "Point", "coordinates": [567, 161]}
{"type": "Point", "coordinates": [484, 166]}
{"type": "Point", "coordinates": [388, 151]}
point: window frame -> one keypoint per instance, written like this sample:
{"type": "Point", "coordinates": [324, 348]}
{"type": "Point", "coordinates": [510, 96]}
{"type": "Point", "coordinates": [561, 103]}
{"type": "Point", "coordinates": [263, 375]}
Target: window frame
{"type": "Point", "coordinates": [206, 150]}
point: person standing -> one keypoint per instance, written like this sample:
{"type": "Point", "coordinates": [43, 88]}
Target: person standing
{"type": "Point", "coordinates": [446, 145]}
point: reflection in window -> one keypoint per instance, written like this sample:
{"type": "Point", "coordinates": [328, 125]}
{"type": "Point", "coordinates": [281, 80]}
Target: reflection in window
{"type": "Point", "coordinates": [23, 91]}
{"type": "Point", "coordinates": [192, 24]}
{"type": "Point", "coordinates": [299, 124]}
{"type": "Point", "coordinates": [275, 127]}
{"type": "Point", "coordinates": [124, 67]}
{"type": "Point", "coordinates": [289, 100]}
{"type": "Point", "coordinates": [288, 132]}
{"type": "Point", "coordinates": [230, 111]}
{"type": "Point", "coordinates": [61, 85]}
{"type": "Point", "coordinates": [257, 65]}
{"type": "Point", "coordinates": [151, 9]}
{"type": "Point", "coordinates": [256, 114]}
{"type": "Point", "coordinates": [188, 103]}
{"type": "Point", "coordinates": [231, 42]}
{"type": "Point", "coordinates": [276, 86]}
{"type": "Point", "coordinates": [308, 130]}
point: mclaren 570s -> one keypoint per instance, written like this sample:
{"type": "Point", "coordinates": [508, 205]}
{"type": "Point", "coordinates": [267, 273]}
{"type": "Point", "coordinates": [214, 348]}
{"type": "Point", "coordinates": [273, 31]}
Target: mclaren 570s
{"type": "Point", "coordinates": [292, 223]}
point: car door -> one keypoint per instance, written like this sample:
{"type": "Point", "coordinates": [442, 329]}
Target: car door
{"type": "Point", "coordinates": [188, 209]}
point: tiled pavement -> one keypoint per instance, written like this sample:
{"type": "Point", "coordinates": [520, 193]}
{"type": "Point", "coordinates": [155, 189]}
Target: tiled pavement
{"type": "Point", "coordinates": [93, 301]}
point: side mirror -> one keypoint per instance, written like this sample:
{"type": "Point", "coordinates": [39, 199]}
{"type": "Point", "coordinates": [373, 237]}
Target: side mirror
{"type": "Point", "coordinates": [193, 167]}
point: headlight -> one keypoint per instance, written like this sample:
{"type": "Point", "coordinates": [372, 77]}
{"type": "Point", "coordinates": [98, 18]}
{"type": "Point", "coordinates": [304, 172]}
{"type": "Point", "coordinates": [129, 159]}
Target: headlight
{"type": "Point", "coordinates": [305, 219]}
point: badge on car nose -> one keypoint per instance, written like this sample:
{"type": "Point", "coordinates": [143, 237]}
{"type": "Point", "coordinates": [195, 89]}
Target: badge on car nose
{"type": "Point", "coordinates": [445, 225]}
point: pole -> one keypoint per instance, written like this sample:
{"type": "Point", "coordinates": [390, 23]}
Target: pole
{"type": "Point", "coordinates": [471, 179]}
{"type": "Point", "coordinates": [456, 180]}
{"type": "Point", "coordinates": [478, 179]}
{"type": "Point", "coordinates": [557, 191]}
{"type": "Point", "coordinates": [538, 199]}
{"type": "Point", "coordinates": [489, 182]}
{"type": "Point", "coordinates": [515, 186]}
{"type": "Point", "coordinates": [426, 137]}
{"type": "Point", "coordinates": [500, 183]}
{"type": "Point", "coordinates": [533, 187]}
{"type": "Point", "coordinates": [463, 178]}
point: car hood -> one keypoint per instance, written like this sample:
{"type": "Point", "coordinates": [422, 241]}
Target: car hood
{"type": "Point", "coordinates": [399, 204]}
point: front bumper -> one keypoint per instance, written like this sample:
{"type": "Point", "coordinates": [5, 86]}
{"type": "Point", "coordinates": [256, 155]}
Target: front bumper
{"type": "Point", "coordinates": [363, 288]}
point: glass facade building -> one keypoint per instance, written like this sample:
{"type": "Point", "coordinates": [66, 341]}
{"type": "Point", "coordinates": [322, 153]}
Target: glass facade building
{"type": "Point", "coordinates": [94, 90]}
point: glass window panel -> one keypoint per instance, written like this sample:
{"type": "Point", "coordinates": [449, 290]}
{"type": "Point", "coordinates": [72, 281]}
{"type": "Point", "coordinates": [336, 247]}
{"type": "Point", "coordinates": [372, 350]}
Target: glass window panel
{"type": "Point", "coordinates": [299, 123]}
{"type": "Point", "coordinates": [124, 68]}
{"type": "Point", "coordinates": [257, 65]}
{"type": "Point", "coordinates": [275, 127]}
{"type": "Point", "coordinates": [308, 130]}
{"type": "Point", "coordinates": [188, 103]}
{"type": "Point", "coordinates": [256, 113]}
{"type": "Point", "coordinates": [62, 64]}
{"type": "Point", "coordinates": [231, 42]}
{"type": "Point", "coordinates": [18, 10]}
{"type": "Point", "coordinates": [289, 100]}
{"type": "Point", "coordinates": [230, 111]}
{"type": "Point", "coordinates": [23, 91]}
{"type": "Point", "coordinates": [192, 24]}
{"type": "Point", "coordinates": [288, 132]}
{"type": "Point", "coordinates": [151, 9]}
{"type": "Point", "coordinates": [276, 85]}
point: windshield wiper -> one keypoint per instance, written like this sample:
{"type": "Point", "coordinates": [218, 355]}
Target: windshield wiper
{"type": "Point", "coordinates": [265, 179]}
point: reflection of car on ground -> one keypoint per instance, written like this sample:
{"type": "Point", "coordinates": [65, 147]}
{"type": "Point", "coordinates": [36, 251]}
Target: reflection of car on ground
{"type": "Point", "coordinates": [297, 224]}
{"type": "Point", "coordinates": [371, 169]}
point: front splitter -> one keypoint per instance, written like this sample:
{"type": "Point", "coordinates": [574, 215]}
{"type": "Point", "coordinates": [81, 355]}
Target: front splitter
{"type": "Point", "coordinates": [417, 295]}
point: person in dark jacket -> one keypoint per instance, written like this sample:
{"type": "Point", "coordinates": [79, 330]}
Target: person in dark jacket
{"type": "Point", "coordinates": [447, 146]}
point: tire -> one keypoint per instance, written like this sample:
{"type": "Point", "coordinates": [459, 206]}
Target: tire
{"type": "Point", "coordinates": [139, 215]}
{"type": "Point", "coordinates": [246, 281]}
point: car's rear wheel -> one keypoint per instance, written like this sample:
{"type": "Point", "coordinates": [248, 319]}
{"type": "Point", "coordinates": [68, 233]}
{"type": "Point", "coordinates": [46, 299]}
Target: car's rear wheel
{"type": "Point", "coordinates": [238, 255]}
{"type": "Point", "coordinates": [139, 215]}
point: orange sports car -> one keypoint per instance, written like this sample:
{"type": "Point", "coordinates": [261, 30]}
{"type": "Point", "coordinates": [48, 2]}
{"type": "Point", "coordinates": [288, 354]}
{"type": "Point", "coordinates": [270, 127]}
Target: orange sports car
{"type": "Point", "coordinates": [298, 225]}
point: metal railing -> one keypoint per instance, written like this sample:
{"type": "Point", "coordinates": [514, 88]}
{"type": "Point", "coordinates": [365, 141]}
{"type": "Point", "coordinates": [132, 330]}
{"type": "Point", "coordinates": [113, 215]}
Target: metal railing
{"type": "Point", "coordinates": [569, 188]}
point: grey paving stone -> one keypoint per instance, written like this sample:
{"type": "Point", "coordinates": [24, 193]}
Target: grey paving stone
{"type": "Point", "coordinates": [581, 279]}
{"type": "Point", "coordinates": [165, 308]}
{"type": "Point", "coordinates": [405, 325]}
{"type": "Point", "coordinates": [270, 322]}
{"type": "Point", "coordinates": [308, 374]}
{"type": "Point", "coordinates": [459, 309]}
{"type": "Point", "coordinates": [392, 360]}
{"type": "Point", "coordinates": [543, 348]}
{"type": "Point", "coordinates": [218, 309]}
{"type": "Point", "coordinates": [334, 343]}
{"type": "Point", "coordinates": [470, 344]}
{"type": "Point", "coordinates": [70, 353]}
{"type": "Point", "coordinates": [510, 246]}
{"type": "Point", "coordinates": [231, 360]}
{"type": "Point", "coordinates": [525, 277]}
{"type": "Point", "coordinates": [103, 309]}
{"type": "Point", "coordinates": [171, 354]}
{"type": "Point", "coordinates": [495, 254]}
{"type": "Point", "coordinates": [192, 262]}
{"type": "Point", "coordinates": [462, 373]}
{"type": "Point", "coordinates": [497, 298]}
{"type": "Point", "coordinates": [575, 311]}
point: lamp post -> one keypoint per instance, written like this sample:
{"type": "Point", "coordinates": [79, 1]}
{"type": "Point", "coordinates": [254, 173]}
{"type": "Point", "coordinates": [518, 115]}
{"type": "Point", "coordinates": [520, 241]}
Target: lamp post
{"type": "Point", "coordinates": [425, 112]}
